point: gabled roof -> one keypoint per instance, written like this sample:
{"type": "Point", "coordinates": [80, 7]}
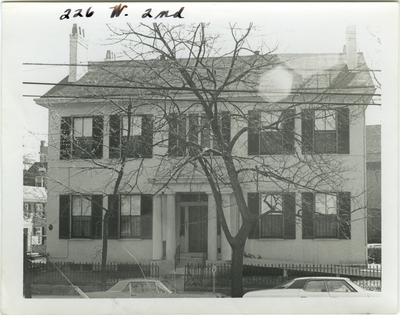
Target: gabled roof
{"type": "Point", "coordinates": [310, 72]}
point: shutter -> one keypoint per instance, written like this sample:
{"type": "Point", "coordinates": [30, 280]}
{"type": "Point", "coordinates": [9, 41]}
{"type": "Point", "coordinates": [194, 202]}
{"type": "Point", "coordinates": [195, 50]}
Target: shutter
{"type": "Point", "coordinates": [343, 130]}
{"type": "Point", "coordinates": [307, 206]}
{"type": "Point", "coordinates": [289, 215]}
{"type": "Point", "coordinates": [98, 129]}
{"type": "Point", "coordinates": [226, 126]}
{"type": "Point", "coordinates": [65, 138]}
{"type": "Point", "coordinates": [64, 217]}
{"type": "Point", "coordinates": [172, 135]}
{"type": "Point", "coordinates": [115, 136]}
{"type": "Point", "coordinates": [344, 206]}
{"type": "Point", "coordinates": [253, 133]}
{"type": "Point", "coordinates": [113, 223]}
{"type": "Point", "coordinates": [146, 212]}
{"type": "Point", "coordinates": [193, 133]}
{"type": "Point", "coordinates": [253, 202]}
{"type": "Point", "coordinates": [288, 131]}
{"type": "Point", "coordinates": [307, 131]}
{"type": "Point", "coordinates": [146, 139]}
{"type": "Point", "coordinates": [97, 216]}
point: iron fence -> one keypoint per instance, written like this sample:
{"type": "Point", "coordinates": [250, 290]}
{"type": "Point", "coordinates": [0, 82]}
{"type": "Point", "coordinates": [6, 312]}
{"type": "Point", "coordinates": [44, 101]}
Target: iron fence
{"type": "Point", "coordinates": [88, 273]}
{"type": "Point", "coordinates": [200, 277]}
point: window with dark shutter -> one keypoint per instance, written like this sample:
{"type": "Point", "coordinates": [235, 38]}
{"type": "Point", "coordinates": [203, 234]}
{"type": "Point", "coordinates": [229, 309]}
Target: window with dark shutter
{"type": "Point", "coordinates": [326, 131]}
{"type": "Point", "coordinates": [65, 138]}
{"type": "Point", "coordinates": [271, 133]}
{"type": "Point", "coordinates": [115, 136]}
{"type": "Point", "coordinates": [98, 130]}
{"type": "Point", "coordinates": [132, 137]}
{"type": "Point", "coordinates": [253, 202]}
{"type": "Point", "coordinates": [64, 217]}
{"type": "Point", "coordinates": [277, 215]}
{"type": "Point", "coordinates": [113, 219]}
{"type": "Point", "coordinates": [326, 215]}
{"type": "Point", "coordinates": [289, 215]}
{"type": "Point", "coordinates": [344, 205]}
{"type": "Point", "coordinates": [146, 216]}
{"type": "Point", "coordinates": [307, 215]}
{"type": "Point", "coordinates": [97, 216]}
{"type": "Point", "coordinates": [195, 129]}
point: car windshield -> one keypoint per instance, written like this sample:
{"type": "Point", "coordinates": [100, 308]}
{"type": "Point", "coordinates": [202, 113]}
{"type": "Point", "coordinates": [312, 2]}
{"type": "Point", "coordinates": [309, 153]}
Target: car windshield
{"type": "Point", "coordinates": [283, 285]}
{"type": "Point", "coordinates": [169, 286]}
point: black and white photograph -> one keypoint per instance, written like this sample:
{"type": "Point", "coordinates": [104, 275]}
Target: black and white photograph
{"type": "Point", "coordinates": [199, 158]}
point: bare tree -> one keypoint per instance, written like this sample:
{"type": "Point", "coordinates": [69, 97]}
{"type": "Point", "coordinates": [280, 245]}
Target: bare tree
{"type": "Point", "coordinates": [192, 75]}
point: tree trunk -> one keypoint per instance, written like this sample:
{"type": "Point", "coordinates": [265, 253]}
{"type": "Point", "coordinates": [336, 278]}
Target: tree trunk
{"type": "Point", "coordinates": [104, 254]}
{"type": "Point", "coordinates": [237, 270]}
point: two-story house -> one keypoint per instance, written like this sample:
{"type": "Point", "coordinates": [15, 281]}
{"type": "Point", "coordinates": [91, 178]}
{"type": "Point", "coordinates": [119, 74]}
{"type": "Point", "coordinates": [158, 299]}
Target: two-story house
{"type": "Point", "coordinates": [161, 205]}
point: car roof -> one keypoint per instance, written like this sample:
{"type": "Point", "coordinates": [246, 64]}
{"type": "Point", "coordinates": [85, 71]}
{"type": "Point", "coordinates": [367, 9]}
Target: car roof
{"type": "Point", "coordinates": [321, 278]}
{"type": "Point", "coordinates": [120, 285]}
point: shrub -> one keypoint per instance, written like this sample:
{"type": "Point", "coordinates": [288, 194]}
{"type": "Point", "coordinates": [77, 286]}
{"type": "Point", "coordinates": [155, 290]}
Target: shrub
{"type": "Point", "coordinates": [374, 255]}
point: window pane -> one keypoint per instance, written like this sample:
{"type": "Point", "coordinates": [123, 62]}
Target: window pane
{"type": "Point", "coordinates": [87, 127]}
{"type": "Point", "coordinates": [325, 227]}
{"type": "Point", "coordinates": [76, 205]}
{"type": "Point", "coordinates": [331, 204]}
{"type": "Point", "coordinates": [78, 127]}
{"type": "Point", "coordinates": [325, 142]}
{"type": "Point", "coordinates": [315, 286]}
{"type": "Point", "coordinates": [135, 205]}
{"type": "Point", "coordinates": [136, 125]}
{"type": "Point", "coordinates": [205, 132]}
{"type": "Point", "coordinates": [325, 120]}
{"type": "Point", "coordinates": [271, 202]}
{"type": "Point", "coordinates": [81, 226]}
{"type": "Point", "coordinates": [269, 118]}
{"type": "Point", "coordinates": [86, 206]}
{"type": "Point", "coordinates": [271, 143]}
{"type": "Point", "coordinates": [125, 205]}
{"type": "Point", "coordinates": [272, 226]}
{"type": "Point", "coordinates": [338, 286]}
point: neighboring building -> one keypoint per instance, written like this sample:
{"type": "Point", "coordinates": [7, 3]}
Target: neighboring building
{"type": "Point", "coordinates": [155, 217]}
{"type": "Point", "coordinates": [37, 172]}
{"type": "Point", "coordinates": [35, 201]}
{"type": "Point", "coordinates": [374, 175]}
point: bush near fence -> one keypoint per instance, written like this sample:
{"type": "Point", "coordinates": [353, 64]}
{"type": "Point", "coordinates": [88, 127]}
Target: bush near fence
{"type": "Point", "coordinates": [199, 277]}
{"type": "Point", "coordinates": [88, 273]}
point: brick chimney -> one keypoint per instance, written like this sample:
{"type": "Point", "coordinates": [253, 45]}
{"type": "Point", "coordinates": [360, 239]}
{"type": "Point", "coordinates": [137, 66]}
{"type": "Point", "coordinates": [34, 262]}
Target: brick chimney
{"type": "Point", "coordinates": [78, 54]}
{"type": "Point", "coordinates": [351, 46]}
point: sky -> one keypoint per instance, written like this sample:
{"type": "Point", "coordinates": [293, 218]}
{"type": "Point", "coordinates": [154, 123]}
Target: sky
{"type": "Point", "coordinates": [295, 28]}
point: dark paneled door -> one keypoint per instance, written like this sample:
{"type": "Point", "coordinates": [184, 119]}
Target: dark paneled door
{"type": "Point", "coordinates": [198, 228]}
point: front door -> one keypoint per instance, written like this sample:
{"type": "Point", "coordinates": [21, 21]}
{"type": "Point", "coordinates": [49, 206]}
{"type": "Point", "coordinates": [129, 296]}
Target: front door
{"type": "Point", "coordinates": [197, 228]}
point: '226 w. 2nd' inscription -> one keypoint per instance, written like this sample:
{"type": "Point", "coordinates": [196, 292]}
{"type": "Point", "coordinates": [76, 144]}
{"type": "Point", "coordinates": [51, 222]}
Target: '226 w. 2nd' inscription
{"type": "Point", "coordinates": [117, 10]}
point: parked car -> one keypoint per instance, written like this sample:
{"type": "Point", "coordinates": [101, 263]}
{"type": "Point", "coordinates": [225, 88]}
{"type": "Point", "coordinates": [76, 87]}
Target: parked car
{"type": "Point", "coordinates": [148, 288]}
{"type": "Point", "coordinates": [315, 287]}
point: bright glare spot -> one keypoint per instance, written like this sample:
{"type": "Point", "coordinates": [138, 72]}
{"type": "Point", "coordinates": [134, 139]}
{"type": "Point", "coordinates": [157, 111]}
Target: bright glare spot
{"type": "Point", "coordinates": [275, 84]}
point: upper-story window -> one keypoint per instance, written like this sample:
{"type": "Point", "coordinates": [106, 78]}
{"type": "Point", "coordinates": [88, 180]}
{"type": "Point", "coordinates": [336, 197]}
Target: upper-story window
{"type": "Point", "coordinates": [326, 131]}
{"type": "Point", "coordinates": [131, 136]}
{"type": "Point", "coordinates": [190, 133]}
{"type": "Point", "coordinates": [326, 215]}
{"type": "Point", "coordinates": [81, 137]}
{"type": "Point", "coordinates": [271, 133]}
{"type": "Point", "coordinates": [277, 214]}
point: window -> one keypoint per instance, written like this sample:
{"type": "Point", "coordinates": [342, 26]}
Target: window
{"type": "Point", "coordinates": [190, 133]}
{"type": "Point", "coordinates": [132, 137]}
{"type": "Point", "coordinates": [39, 181]}
{"type": "Point", "coordinates": [325, 131]}
{"type": "Point", "coordinates": [271, 133]}
{"type": "Point", "coordinates": [315, 286]}
{"type": "Point", "coordinates": [39, 235]}
{"type": "Point", "coordinates": [277, 215]}
{"type": "Point", "coordinates": [339, 286]}
{"type": "Point", "coordinates": [81, 137]}
{"type": "Point", "coordinates": [326, 215]}
{"type": "Point", "coordinates": [131, 216]}
{"type": "Point", "coordinates": [80, 216]}
{"type": "Point", "coordinates": [39, 210]}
